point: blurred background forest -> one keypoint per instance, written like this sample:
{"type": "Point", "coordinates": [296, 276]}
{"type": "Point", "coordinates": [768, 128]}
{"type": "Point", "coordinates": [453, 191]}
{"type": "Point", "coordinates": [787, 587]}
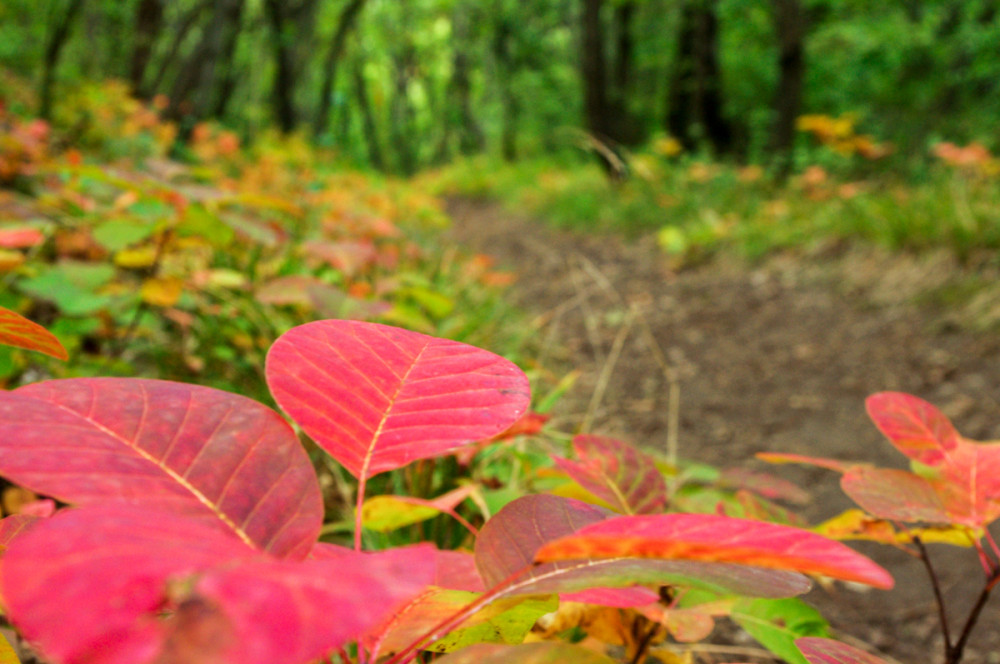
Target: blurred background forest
{"type": "Point", "coordinates": [404, 85]}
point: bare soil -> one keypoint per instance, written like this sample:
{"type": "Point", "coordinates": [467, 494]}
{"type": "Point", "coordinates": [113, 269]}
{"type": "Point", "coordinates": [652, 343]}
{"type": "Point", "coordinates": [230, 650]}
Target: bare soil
{"type": "Point", "coordinates": [775, 356]}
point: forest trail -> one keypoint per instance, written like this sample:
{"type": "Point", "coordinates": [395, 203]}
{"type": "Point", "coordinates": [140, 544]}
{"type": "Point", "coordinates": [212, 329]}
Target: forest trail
{"type": "Point", "coordinates": [777, 356]}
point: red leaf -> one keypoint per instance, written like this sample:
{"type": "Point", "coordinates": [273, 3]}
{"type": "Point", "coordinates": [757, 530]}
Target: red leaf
{"type": "Point", "coordinates": [827, 651]}
{"type": "Point", "coordinates": [617, 473]}
{"type": "Point", "coordinates": [896, 495]}
{"type": "Point", "coordinates": [508, 543]}
{"type": "Point", "coordinates": [181, 448]}
{"type": "Point", "coordinates": [120, 568]}
{"type": "Point", "coordinates": [378, 397]}
{"type": "Point", "coordinates": [13, 525]}
{"type": "Point", "coordinates": [915, 427]}
{"type": "Point", "coordinates": [348, 257]}
{"type": "Point", "coordinates": [20, 238]}
{"type": "Point", "coordinates": [966, 473]}
{"type": "Point", "coordinates": [16, 330]}
{"type": "Point", "coordinates": [712, 538]}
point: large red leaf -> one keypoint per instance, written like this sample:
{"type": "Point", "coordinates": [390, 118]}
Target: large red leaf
{"type": "Point", "coordinates": [965, 474]}
{"type": "Point", "coordinates": [378, 397]}
{"type": "Point", "coordinates": [148, 586]}
{"type": "Point", "coordinates": [507, 546]}
{"type": "Point", "coordinates": [712, 538]}
{"type": "Point", "coordinates": [16, 330]}
{"type": "Point", "coordinates": [617, 473]}
{"type": "Point", "coordinates": [181, 448]}
{"type": "Point", "coordinates": [827, 651]}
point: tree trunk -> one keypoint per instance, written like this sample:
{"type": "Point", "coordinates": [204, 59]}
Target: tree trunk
{"type": "Point", "coordinates": [470, 135]}
{"type": "Point", "coordinates": [401, 112]}
{"type": "Point", "coordinates": [53, 48]}
{"type": "Point", "coordinates": [347, 20]}
{"type": "Point", "coordinates": [225, 71]}
{"type": "Point", "coordinates": [595, 101]}
{"type": "Point", "coordinates": [505, 73]}
{"type": "Point", "coordinates": [284, 78]}
{"type": "Point", "coordinates": [694, 97]}
{"type": "Point", "coordinates": [148, 25]}
{"type": "Point", "coordinates": [624, 129]}
{"type": "Point", "coordinates": [790, 24]}
{"type": "Point", "coordinates": [180, 31]}
{"type": "Point", "coordinates": [368, 119]}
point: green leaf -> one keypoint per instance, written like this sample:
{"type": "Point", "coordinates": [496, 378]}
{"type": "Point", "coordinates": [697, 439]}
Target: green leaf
{"type": "Point", "coordinates": [200, 222]}
{"type": "Point", "coordinates": [776, 623]}
{"type": "Point", "coordinates": [71, 287]}
{"type": "Point", "coordinates": [510, 626]}
{"type": "Point", "coordinates": [116, 234]}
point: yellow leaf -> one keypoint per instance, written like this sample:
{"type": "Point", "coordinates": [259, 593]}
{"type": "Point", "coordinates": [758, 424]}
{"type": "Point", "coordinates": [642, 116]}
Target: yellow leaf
{"type": "Point", "coordinates": [385, 513]}
{"type": "Point", "coordinates": [136, 258]}
{"type": "Point", "coordinates": [162, 291]}
{"type": "Point", "coordinates": [7, 653]}
{"type": "Point", "coordinates": [10, 260]}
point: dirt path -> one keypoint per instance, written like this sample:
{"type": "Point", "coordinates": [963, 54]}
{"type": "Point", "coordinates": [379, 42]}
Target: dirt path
{"type": "Point", "coordinates": [777, 357]}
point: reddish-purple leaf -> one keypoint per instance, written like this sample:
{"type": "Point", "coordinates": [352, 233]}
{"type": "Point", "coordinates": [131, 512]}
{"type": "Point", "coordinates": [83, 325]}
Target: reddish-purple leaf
{"type": "Point", "coordinates": [915, 427]}
{"type": "Point", "coordinates": [617, 473]}
{"type": "Point", "coordinates": [896, 495]}
{"type": "Point", "coordinates": [827, 651]}
{"type": "Point", "coordinates": [507, 544]}
{"type": "Point", "coordinates": [378, 397]}
{"type": "Point", "coordinates": [545, 652]}
{"type": "Point", "coordinates": [16, 330]}
{"type": "Point", "coordinates": [122, 568]}
{"type": "Point", "coordinates": [181, 448]}
{"type": "Point", "coordinates": [712, 538]}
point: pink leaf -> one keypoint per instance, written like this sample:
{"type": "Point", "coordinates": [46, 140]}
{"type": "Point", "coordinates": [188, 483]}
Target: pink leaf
{"type": "Point", "coordinates": [617, 473]}
{"type": "Point", "coordinates": [378, 397]}
{"type": "Point", "coordinates": [16, 330]}
{"type": "Point", "coordinates": [915, 427]}
{"type": "Point", "coordinates": [507, 545]}
{"type": "Point", "coordinates": [20, 238]}
{"type": "Point", "coordinates": [966, 475]}
{"type": "Point", "coordinates": [122, 569]}
{"type": "Point", "coordinates": [181, 448]}
{"type": "Point", "coordinates": [827, 651]}
{"type": "Point", "coordinates": [711, 538]}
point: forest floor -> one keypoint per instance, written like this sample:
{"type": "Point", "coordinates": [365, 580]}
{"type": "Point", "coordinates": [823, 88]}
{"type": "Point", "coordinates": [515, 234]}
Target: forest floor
{"type": "Point", "coordinates": [774, 356]}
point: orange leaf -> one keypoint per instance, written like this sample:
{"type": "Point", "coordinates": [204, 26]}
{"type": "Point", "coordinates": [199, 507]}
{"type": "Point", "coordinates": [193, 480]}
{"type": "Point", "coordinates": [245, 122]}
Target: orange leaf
{"type": "Point", "coordinates": [16, 330]}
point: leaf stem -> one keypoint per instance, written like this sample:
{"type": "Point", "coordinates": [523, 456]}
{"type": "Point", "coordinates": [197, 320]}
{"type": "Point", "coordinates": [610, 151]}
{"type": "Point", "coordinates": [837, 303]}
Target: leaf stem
{"type": "Point", "coordinates": [357, 512]}
{"type": "Point", "coordinates": [955, 653]}
{"type": "Point", "coordinates": [938, 597]}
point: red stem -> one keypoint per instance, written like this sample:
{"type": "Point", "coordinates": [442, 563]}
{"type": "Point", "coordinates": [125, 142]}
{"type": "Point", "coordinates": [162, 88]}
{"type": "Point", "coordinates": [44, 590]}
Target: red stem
{"type": "Point", "coordinates": [357, 512]}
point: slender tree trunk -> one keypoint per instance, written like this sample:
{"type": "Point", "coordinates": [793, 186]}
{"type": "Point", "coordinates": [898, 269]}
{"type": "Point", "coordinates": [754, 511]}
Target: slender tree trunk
{"type": "Point", "coordinates": [624, 128]}
{"type": "Point", "coordinates": [284, 81]}
{"type": "Point", "coordinates": [225, 70]}
{"type": "Point", "coordinates": [790, 23]}
{"type": "Point", "coordinates": [470, 135]}
{"type": "Point", "coordinates": [694, 97]}
{"type": "Point", "coordinates": [58, 35]}
{"type": "Point", "coordinates": [348, 18]}
{"type": "Point", "coordinates": [180, 32]}
{"type": "Point", "coordinates": [594, 70]}
{"type": "Point", "coordinates": [505, 73]}
{"type": "Point", "coordinates": [368, 118]}
{"type": "Point", "coordinates": [401, 112]}
{"type": "Point", "coordinates": [148, 25]}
